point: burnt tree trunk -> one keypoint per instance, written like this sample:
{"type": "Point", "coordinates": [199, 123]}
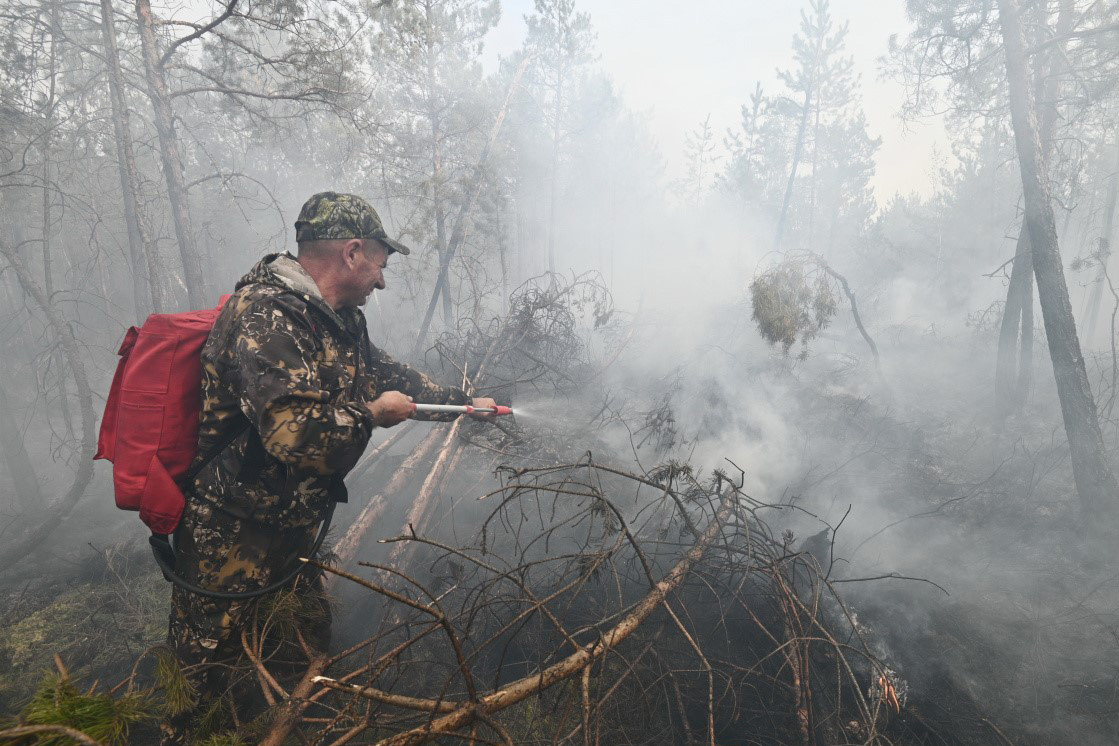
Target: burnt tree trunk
{"type": "Point", "coordinates": [1014, 366]}
{"type": "Point", "coordinates": [1013, 373]}
{"type": "Point", "coordinates": [1095, 482]}
{"type": "Point", "coordinates": [193, 276]}
{"type": "Point", "coordinates": [144, 261]}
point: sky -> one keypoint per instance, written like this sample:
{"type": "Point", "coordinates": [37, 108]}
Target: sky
{"type": "Point", "coordinates": [678, 62]}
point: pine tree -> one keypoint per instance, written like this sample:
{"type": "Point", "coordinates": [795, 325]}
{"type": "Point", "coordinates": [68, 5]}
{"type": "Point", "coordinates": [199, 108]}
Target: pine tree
{"type": "Point", "coordinates": [428, 52]}
{"type": "Point", "coordinates": [815, 135]}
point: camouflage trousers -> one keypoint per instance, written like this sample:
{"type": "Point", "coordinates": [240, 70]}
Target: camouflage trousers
{"type": "Point", "coordinates": [220, 552]}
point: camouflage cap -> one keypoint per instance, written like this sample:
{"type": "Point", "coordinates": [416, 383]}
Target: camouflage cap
{"type": "Point", "coordinates": [328, 215]}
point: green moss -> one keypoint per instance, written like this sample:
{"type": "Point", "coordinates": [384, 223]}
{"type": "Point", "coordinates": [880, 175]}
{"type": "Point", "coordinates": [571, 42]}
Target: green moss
{"type": "Point", "coordinates": [98, 628]}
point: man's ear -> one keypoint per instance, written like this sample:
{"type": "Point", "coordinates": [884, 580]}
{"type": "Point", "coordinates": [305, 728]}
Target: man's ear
{"type": "Point", "coordinates": [350, 251]}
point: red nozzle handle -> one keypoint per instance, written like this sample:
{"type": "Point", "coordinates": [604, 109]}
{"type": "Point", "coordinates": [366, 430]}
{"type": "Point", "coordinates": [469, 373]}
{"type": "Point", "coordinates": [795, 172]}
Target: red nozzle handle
{"type": "Point", "coordinates": [496, 411]}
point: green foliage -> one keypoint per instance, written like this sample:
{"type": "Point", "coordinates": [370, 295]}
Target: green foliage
{"type": "Point", "coordinates": [789, 306]}
{"type": "Point", "coordinates": [223, 739]}
{"type": "Point", "coordinates": [58, 701]}
{"type": "Point", "coordinates": [213, 720]}
{"type": "Point", "coordinates": [179, 694]}
{"type": "Point", "coordinates": [292, 609]}
{"type": "Point", "coordinates": [817, 112]}
{"type": "Point", "coordinates": [669, 471]}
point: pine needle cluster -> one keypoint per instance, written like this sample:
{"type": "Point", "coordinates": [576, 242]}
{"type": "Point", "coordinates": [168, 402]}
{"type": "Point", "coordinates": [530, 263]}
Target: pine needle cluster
{"type": "Point", "coordinates": [108, 719]}
{"type": "Point", "coordinates": [285, 612]}
{"type": "Point", "coordinates": [179, 694]}
{"type": "Point", "coordinates": [789, 306]}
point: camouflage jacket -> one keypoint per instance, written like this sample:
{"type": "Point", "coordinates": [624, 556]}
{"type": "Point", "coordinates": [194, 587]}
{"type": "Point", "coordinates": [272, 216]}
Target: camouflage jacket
{"type": "Point", "coordinates": [299, 373]}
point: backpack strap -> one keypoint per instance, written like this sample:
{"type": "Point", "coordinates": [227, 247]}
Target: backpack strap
{"type": "Point", "coordinates": [225, 442]}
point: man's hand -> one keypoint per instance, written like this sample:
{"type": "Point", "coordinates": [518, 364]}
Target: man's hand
{"type": "Point", "coordinates": [390, 408]}
{"type": "Point", "coordinates": [484, 403]}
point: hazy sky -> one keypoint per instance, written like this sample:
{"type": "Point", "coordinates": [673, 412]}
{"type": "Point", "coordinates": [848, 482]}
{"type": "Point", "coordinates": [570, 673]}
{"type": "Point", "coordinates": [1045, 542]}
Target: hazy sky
{"type": "Point", "coordinates": [680, 62]}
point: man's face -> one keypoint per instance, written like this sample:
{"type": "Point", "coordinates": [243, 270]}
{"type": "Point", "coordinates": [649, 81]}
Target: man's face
{"type": "Point", "coordinates": [367, 273]}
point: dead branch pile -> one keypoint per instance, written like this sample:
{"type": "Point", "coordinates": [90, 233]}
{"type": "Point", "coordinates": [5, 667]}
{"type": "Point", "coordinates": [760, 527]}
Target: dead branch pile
{"type": "Point", "coordinates": [539, 345]}
{"type": "Point", "coordinates": [599, 606]}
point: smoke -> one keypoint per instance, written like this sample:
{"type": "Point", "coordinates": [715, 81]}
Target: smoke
{"type": "Point", "coordinates": [1004, 603]}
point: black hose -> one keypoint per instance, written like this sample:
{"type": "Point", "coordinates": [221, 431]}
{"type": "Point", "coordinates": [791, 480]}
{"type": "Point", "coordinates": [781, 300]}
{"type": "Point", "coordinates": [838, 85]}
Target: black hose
{"type": "Point", "coordinates": [164, 553]}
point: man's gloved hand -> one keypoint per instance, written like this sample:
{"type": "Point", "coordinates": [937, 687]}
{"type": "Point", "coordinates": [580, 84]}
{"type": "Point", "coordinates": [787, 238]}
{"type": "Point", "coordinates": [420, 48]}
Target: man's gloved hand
{"type": "Point", "coordinates": [390, 408]}
{"type": "Point", "coordinates": [481, 402]}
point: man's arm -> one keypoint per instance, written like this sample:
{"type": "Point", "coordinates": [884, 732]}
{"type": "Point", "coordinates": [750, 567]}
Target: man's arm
{"type": "Point", "coordinates": [390, 375]}
{"type": "Point", "coordinates": [283, 397]}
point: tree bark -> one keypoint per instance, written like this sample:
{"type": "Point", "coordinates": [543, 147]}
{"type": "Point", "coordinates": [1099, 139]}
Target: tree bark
{"type": "Point", "coordinates": [193, 275]}
{"type": "Point", "coordinates": [48, 142]}
{"type": "Point", "coordinates": [1095, 482]}
{"type": "Point", "coordinates": [348, 546]}
{"type": "Point", "coordinates": [440, 214]}
{"type": "Point", "coordinates": [145, 263]}
{"type": "Point", "coordinates": [1009, 394]}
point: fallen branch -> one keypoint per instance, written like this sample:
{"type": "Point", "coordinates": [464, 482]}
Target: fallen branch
{"type": "Point", "coordinates": [418, 515]}
{"type": "Point", "coordinates": [347, 547]}
{"type": "Point", "coordinates": [396, 700]}
{"type": "Point", "coordinates": [529, 686]}
{"type": "Point", "coordinates": [289, 712]}
{"type": "Point", "coordinates": [12, 735]}
{"type": "Point", "coordinates": [854, 309]}
{"type": "Point", "coordinates": [370, 459]}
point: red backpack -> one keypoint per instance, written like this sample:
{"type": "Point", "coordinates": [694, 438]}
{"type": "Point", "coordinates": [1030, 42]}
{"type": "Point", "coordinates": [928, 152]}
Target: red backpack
{"type": "Point", "coordinates": [150, 427]}
{"type": "Point", "coordinates": [150, 433]}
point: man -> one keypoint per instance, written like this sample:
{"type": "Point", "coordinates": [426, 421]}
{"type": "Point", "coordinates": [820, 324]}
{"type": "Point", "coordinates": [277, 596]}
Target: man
{"type": "Point", "coordinates": [292, 389]}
